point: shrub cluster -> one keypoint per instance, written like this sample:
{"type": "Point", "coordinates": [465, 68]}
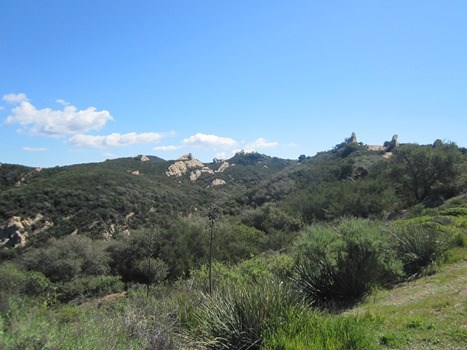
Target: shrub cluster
{"type": "Point", "coordinates": [336, 265]}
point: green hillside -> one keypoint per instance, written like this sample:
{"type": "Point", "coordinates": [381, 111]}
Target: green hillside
{"type": "Point", "coordinates": [254, 252]}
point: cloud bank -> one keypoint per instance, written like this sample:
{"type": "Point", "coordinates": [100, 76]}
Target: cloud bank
{"type": "Point", "coordinates": [15, 98]}
{"type": "Point", "coordinates": [54, 123]}
{"type": "Point", "coordinates": [260, 143]}
{"type": "Point", "coordinates": [209, 141]}
{"type": "Point", "coordinates": [115, 139]}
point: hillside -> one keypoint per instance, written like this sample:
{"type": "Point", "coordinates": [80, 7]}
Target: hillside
{"type": "Point", "coordinates": [336, 251]}
{"type": "Point", "coordinates": [108, 198]}
{"type": "Point", "coordinates": [101, 199]}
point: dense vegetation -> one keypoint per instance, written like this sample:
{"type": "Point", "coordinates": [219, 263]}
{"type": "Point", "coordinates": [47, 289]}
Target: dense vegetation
{"type": "Point", "coordinates": [296, 244]}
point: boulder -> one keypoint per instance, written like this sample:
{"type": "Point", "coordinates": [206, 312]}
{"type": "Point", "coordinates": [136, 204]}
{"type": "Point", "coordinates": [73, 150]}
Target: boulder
{"type": "Point", "coordinates": [218, 182]}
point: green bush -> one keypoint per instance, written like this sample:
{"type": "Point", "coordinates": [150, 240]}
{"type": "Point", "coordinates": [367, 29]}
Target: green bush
{"type": "Point", "coordinates": [255, 270]}
{"type": "Point", "coordinates": [89, 286]}
{"type": "Point", "coordinates": [239, 316]}
{"type": "Point", "coordinates": [72, 256]}
{"type": "Point", "coordinates": [339, 265]}
{"type": "Point", "coordinates": [420, 246]}
{"type": "Point", "coordinates": [16, 282]}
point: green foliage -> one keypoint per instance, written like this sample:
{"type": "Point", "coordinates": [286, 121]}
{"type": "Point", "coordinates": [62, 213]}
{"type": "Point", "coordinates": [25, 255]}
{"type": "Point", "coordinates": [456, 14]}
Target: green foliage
{"type": "Point", "coordinates": [338, 265]}
{"type": "Point", "coordinates": [89, 286]}
{"type": "Point", "coordinates": [261, 269]}
{"type": "Point", "coordinates": [420, 246]}
{"type": "Point", "coordinates": [62, 260]}
{"type": "Point", "coordinates": [306, 330]}
{"type": "Point", "coordinates": [181, 246]}
{"type": "Point", "coordinates": [16, 282]}
{"type": "Point", "coordinates": [237, 242]}
{"type": "Point", "coordinates": [154, 269]}
{"type": "Point", "coordinates": [31, 326]}
{"type": "Point", "coordinates": [239, 316]}
{"type": "Point", "coordinates": [424, 172]}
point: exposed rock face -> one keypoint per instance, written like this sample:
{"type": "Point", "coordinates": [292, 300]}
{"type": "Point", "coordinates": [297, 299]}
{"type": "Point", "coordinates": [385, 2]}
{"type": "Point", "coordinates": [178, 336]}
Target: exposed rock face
{"type": "Point", "coordinates": [177, 169]}
{"type": "Point", "coordinates": [195, 175]}
{"type": "Point", "coordinates": [218, 182]}
{"type": "Point", "coordinates": [185, 163]}
{"type": "Point", "coordinates": [376, 148]}
{"type": "Point", "coordinates": [217, 161]}
{"type": "Point", "coordinates": [353, 138]}
{"type": "Point", "coordinates": [16, 232]}
{"type": "Point", "coordinates": [222, 168]}
{"type": "Point", "coordinates": [193, 163]}
{"type": "Point", "coordinates": [390, 145]}
{"type": "Point", "coordinates": [188, 156]}
{"type": "Point", "coordinates": [144, 158]}
{"type": "Point", "coordinates": [135, 172]}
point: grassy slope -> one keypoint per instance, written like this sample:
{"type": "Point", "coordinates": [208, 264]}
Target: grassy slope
{"type": "Point", "coordinates": [428, 313]}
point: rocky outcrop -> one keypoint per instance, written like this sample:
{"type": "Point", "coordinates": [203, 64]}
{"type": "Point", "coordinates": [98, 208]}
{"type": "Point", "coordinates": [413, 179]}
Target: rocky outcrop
{"type": "Point", "coordinates": [390, 145]}
{"type": "Point", "coordinates": [218, 182]}
{"type": "Point", "coordinates": [185, 157]}
{"type": "Point", "coordinates": [194, 163]}
{"type": "Point", "coordinates": [184, 164]}
{"type": "Point", "coordinates": [222, 168]}
{"type": "Point", "coordinates": [144, 158]}
{"type": "Point", "coordinates": [17, 230]}
{"type": "Point", "coordinates": [353, 138]}
{"type": "Point", "coordinates": [177, 169]}
{"type": "Point", "coordinates": [195, 175]}
{"type": "Point", "coordinates": [376, 148]}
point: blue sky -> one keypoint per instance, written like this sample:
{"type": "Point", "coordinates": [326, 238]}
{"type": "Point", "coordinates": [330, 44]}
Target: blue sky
{"type": "Point", "coordinates": [83, 81]}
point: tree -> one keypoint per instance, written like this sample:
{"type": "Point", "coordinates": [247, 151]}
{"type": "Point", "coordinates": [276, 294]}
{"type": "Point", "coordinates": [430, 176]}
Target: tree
{"type": "Point", "coordinates": [427, 171]}
{"type": "Point", "coordinates": [65, 259]}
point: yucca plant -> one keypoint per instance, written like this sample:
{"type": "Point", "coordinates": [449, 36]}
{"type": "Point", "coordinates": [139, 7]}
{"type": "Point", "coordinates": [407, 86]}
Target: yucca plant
{"type": "Point", "coordinates": [419, 247]}
{"type": "Point", "coordinates": [237, 317]}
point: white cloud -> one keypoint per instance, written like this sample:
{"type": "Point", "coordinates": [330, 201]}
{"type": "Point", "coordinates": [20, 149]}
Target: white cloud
{"type": "Point", "coordinates": [35, 149]}
{"type": "Point", "coordinates": [115, 139]}
{"type": "Point", "coordinates": [209, 141]}
{"type": "Point", "coordinates": [223, 155]}
{"type": "Point", "coordinates": [15, 98]}
{"type": "Point", "coordinates": [62, 102]}
{"type": "Point", "coordinates": [166, 148]}
{"type": "Point", "coordinates": [109, 155]}
{"type": "Point", "coordinates": [55, 123]}
{"type": "Point", "coordinates": [260, 143]}
{"type": "Point", "coordinates": [2, 108]}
